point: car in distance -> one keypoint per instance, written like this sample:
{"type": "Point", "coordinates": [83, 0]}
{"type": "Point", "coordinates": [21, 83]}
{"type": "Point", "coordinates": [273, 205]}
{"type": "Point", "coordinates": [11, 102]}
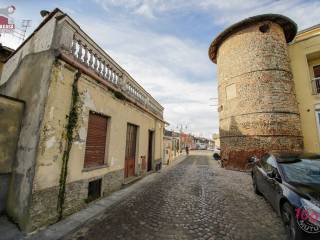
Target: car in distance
{"type": "Point", "coordinates": [291, 183]}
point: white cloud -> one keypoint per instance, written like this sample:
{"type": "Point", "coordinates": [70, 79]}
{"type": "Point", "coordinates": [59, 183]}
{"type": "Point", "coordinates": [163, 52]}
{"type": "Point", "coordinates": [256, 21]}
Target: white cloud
{"type": "Point", "coordinates": [145, 10]}
{"type": "Point", "coordinates": [304, 13]}
{"type": "Point", "coordinates": [161, 64]}
{"type": "Point", "coordinates": [224, 12]}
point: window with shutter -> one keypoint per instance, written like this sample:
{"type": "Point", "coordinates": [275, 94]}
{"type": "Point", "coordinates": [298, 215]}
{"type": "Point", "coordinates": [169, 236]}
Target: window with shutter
{"type": "Point", "coordinates": [96, 140]}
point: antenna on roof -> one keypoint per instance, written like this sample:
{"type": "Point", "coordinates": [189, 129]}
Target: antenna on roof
{"type": "Point", "coordinates": [21, 32]}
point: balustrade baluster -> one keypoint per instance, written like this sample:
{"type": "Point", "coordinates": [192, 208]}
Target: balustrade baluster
{"type": "Point", "coordinates": [103, 69]}
{"type": "Point", "coordinates": [85, 57]}
{"type": "Point", "coordinates": [111, 75]}
{"type": "Point", "coordinates": [95, 62]}
{"type": "Point", "coordinates": [74, 46]}
{"type": "Point", "coordinates": [79, 51]}
{"type": "Point", "coordinates": [108, 72]}
{"type": "Point", "coordinates": [99, 66]}
{"type": "Point", "coordinates": [91, 58]}
{"type": "Point", "coordinates": [117, 78]}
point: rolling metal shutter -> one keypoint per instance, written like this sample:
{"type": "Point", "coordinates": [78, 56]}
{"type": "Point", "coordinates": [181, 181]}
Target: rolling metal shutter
{"type": "Point", "coordinates": [96, 140]}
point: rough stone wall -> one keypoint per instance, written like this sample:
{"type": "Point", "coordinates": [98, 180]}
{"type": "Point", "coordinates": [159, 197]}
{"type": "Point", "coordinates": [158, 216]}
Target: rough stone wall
{"type": "Point", "coordinates": [112, 181]}
{"type": "Point", "coordinates": [256, 93]}
{"type": "Point", "coordinates": [43, 211]}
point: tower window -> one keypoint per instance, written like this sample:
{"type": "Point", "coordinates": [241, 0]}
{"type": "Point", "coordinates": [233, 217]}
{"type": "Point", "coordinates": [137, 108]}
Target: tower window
{"type": "Point", "coordinates": [264, 28]}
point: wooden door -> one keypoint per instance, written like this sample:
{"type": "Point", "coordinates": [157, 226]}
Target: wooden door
{"type": "Point", "coordinates": [150, 150]}
{"type": "Point", "coordinates": [131, 144]}
{"type": "Point", "coordinates": [96, 140]}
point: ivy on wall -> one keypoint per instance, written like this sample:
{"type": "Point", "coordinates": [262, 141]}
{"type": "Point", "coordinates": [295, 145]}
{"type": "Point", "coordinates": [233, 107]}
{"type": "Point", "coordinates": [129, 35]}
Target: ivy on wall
{"type": "Point", "coordinates": [70, 127]}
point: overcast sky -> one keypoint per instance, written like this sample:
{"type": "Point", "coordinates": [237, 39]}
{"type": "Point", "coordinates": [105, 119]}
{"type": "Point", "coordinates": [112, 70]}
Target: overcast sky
{"type": "Point", "coordinates": [164, 44]}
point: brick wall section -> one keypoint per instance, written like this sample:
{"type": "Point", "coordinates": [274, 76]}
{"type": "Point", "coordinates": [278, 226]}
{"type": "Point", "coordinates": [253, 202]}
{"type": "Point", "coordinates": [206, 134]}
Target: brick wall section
{"type": "Point", "coordinates": [264, 114]}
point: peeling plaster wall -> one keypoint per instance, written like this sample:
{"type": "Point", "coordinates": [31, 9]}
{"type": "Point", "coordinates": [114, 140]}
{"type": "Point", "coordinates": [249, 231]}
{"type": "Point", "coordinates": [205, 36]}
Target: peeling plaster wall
{"type": "Point", "coordinates": [29, 84]}
{"type": "Point", "coordinates": [96, 98]}
{"type": "Point", "coordinates": [93, 97]}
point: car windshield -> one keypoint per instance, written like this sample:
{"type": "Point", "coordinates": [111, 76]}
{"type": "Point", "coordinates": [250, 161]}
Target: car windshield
{"type": "Point", "coordinates": [303, 171]}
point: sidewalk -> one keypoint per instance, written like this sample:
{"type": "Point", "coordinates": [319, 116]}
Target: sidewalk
{"type": "Point", "coordinates": [74, 221]}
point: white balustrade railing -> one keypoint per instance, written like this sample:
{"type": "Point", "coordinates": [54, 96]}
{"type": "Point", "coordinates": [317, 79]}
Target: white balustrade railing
{"type": "Point", "coordinates": [88, 53]}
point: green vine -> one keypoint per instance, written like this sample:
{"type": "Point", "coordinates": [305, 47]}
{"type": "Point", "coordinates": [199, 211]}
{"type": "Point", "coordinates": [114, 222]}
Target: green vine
{"type": "Point", "coordinates": [72, 123]}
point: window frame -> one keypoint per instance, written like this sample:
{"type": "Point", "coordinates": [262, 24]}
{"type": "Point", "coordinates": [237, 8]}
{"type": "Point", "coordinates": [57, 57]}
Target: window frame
{"type": "Point", "coordinates": [317, 115]}
{"type": "Point", "coordinates": [315, 90]}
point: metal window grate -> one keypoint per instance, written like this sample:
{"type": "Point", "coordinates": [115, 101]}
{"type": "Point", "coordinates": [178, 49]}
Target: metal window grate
{"type": "Point", "coordinates": [94, 190]}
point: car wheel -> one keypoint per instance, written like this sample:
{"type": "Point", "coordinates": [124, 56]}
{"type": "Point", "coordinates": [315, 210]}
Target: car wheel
{"type": "Point", "coordinates": [255, 186]}
{"type": "Point", "coordinates": [216, 156]}
{"type": "Point", "coordinates": [288, 218]}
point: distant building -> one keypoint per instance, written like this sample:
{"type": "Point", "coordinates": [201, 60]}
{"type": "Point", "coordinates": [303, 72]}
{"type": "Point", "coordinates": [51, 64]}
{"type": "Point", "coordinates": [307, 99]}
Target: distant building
{"type": "Point", "coordinates": [186, 140]}
{"type": "Point", "coordinates": [172, 146]}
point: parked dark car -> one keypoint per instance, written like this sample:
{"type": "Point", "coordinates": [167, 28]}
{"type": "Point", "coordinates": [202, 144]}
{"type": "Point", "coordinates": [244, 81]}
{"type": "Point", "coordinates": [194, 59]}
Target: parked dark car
{"type": "Point", "coordinates": [291, 183]}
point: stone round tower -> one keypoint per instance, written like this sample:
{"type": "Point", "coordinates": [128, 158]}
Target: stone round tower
{"type": "Point", "coordinates": [257, 105]}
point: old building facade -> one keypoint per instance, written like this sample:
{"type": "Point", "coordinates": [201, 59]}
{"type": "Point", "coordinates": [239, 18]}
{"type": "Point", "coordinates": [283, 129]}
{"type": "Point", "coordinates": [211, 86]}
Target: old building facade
{"type": "Point", "coordinates": [83, 125]}
{"type": "Point", "coordinates": [258, 109]}
{"type": "Point", "coordinates": [304, 53]}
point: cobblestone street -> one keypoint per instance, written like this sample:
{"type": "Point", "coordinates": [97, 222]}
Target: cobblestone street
{"type": "Point", "coordinates": [194, 199]}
